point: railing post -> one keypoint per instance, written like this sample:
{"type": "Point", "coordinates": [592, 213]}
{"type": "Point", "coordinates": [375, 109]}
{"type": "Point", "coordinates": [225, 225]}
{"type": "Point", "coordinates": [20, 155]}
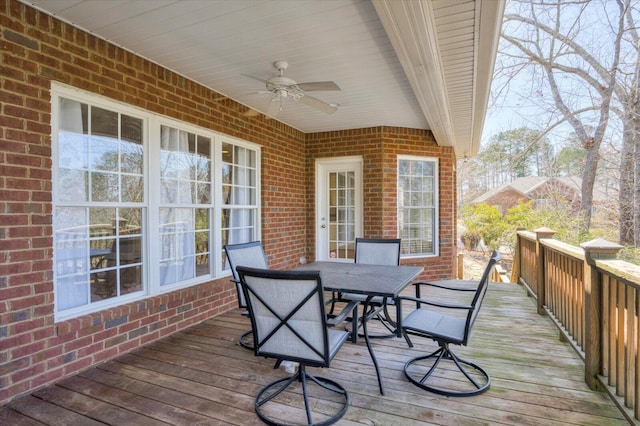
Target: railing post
{"type": "Point", "coordinates": [595, 249]}
{"type": "Point", "coordinates": [515, 267]}
{"type": "Point", "coordinates": [541, 233]}
{"type": "Point", "coordinates": [460, 266]}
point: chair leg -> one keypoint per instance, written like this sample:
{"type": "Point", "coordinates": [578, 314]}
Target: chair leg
{"type": "Point", "coordinates": [407, 338]}
{"type": "Point", "coordinates": [415, 372]}
{"type": "Point", "coordinates": [276, 388]}
{"type": "Point", "coordinates": [246, 340]}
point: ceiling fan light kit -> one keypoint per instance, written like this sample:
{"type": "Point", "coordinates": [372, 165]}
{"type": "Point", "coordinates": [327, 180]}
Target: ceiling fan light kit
{"type": "Point", "coordinates": [281, 88]}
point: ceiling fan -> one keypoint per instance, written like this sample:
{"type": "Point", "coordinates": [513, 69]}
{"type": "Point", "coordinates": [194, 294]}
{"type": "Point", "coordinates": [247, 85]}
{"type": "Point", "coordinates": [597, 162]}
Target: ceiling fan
{"type": "Point", "coordinates": [281, 89]}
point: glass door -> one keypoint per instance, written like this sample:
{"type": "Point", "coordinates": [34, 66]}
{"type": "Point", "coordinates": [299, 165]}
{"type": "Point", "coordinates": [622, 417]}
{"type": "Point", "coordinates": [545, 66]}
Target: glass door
{"type": "Point", "coordinates": [339, 208]}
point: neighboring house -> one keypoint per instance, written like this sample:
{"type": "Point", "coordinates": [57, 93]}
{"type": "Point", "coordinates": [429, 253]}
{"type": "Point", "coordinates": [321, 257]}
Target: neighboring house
{"type": "Point", "coordinates": [545, 191]}
{"type": "Point", "coordinates": [506, 196]}
{"type": "Point", "coordinates": [125, 170]}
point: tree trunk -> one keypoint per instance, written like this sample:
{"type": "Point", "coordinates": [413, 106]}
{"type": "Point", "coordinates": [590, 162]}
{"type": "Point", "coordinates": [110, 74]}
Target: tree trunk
{"type": "Point", "coordinates": [588, 181]}
{"type": "Point", "coordinates": [630, 156]}
{"type": "Point", "coordinates": [636, 207]}
{"type": "Point", "coordinates": [626, 191]}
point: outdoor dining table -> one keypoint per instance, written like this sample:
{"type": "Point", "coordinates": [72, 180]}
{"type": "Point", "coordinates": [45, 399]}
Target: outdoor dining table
{"type": "Point", "coordinates": [368, 280]}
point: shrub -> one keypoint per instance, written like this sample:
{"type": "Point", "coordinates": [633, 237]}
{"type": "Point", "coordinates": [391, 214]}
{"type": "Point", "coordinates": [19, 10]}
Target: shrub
{"type": "Point", "coordinates": [486, 221]}
{"type": "Point", "coordinates": [470, 240]}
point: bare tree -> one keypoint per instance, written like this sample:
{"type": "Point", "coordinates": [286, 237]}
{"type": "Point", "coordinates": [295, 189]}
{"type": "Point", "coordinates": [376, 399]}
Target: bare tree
{"type": "Point", "coordinates": [583, 56]}
{"type": "Point", "coordinates": [629, 226]}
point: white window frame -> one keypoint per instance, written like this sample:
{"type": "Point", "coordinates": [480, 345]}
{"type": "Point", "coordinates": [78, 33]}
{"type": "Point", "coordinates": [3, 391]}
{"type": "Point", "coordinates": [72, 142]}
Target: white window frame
{"type": "Point", "coordinates": [436, 210]}
{"type": "Point", "coordinates": [151, 200]}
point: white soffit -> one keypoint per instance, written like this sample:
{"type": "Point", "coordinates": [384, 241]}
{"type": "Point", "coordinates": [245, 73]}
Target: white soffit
{"type": "Point", "coordinates": [447, 49]}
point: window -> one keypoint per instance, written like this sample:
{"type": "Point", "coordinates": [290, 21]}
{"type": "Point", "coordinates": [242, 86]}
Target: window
{"type": "Point", "coordinates": [135, 202]}
{"type": "Point", "coordinates": [417, 205]}
{"type": "Point", "coordinates": [185, 204]}
{"type": "Point", "coordinates": [239, 196]}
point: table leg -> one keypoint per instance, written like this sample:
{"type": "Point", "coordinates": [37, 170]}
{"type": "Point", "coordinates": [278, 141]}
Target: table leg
{"type": "Point", "coordinates": [365, 317]}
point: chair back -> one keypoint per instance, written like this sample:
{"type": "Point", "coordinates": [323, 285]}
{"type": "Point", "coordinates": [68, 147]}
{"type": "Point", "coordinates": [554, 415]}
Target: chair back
{"type": "Point", "coordinates": [287, 314]}
{"type": "Point", "coordinates": [479, 294]}
{"type": "Point", "coordinates": [377, 251]}
{"type": "Point", "coordinates": [245, 254]}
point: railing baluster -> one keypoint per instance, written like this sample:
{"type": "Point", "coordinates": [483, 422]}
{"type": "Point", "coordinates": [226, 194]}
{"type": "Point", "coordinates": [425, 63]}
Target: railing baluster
{"type": "Point", "coordinates": [620, 339]}
{"type": "Point", "coordinates": [636, 384]}
{"type": "Point", "coordinates": [606, 326]}
{"type": "Point", "coordinates": [613, 335]}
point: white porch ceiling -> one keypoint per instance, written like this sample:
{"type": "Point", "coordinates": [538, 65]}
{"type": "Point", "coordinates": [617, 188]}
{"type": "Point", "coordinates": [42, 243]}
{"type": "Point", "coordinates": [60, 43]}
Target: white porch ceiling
{"type": "Point", "coordinates": [424, 64]}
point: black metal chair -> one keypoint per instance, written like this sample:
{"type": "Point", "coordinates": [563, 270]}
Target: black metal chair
{"type": "Point", "coordinates": [287, 311]}
{"type": "Point", "coordinates": [447, 324]}
{"type": "Point", "coordinates": [375, 251]}
{"type": "Point", "coordinates": [245, 254]}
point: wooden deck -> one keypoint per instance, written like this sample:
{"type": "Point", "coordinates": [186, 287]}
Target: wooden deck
{"type": "Point", "coordinates": [203, 377]}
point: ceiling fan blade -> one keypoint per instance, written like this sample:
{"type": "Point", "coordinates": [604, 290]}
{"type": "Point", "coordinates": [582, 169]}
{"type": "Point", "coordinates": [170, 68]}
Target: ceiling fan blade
{"type": "Point", "coordinates": [318, 85]}
{"type": "Point", "coordinates": [261, 92]}
{"type": "Point", "coordinates": [318, 104]}
{"type": "Point", "coordinates": [255, 78]}
{"type": "Point", "coordinates": [274, 108]}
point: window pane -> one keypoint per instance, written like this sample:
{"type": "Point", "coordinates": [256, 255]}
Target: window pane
{"type": "Point", "coordinates": [71, 254]}
{"type": "Point", "coordinates": [103, 154]}
{"type": "Point", "coordinates": [131, 157]}
{"type": "Point", "coordinates": [132, 189]}
{"type": "Point", "coordinates": [177, 257]}
{"type": "Point", "coordinates": [204, 193]}
{"type": "Point", "coordinates": [72, 185]}
{"type": "Point", "coordinates": [104, 123]}
{"type": "Point", "coordinates": [202, 242]}
{"type": "Point", "coordinates": [104, 187]}
{"type": "Point", "coordinates": [227, 173]}
{"type": "Point", "coordinates": [131, 130]}
{"type": "Point", "coordinates": [227, 153]}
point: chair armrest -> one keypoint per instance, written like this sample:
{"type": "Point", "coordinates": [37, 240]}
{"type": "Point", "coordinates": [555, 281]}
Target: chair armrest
{"type": "Point", "coordinates": [417, 284]}
{"type": "Point", "coordinates": [419, 301]}
{"type": "Point", "coordinates": [347, 311]}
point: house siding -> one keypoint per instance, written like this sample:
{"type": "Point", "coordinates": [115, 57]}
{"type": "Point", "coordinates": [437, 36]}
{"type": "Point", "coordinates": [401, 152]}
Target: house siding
{"type": "Point", "coordinates": [37, 49]}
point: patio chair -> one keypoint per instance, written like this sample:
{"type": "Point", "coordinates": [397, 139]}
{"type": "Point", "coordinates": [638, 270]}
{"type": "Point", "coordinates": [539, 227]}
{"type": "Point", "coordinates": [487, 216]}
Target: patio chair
{"type": "Point", "coordinates": [287, 311]}
{"type": "Point", "coordinates": [447, 324]}
{"type": "Point", "coordinates": [245, 254]}
{"type": "Point", "coordinates": [376, 251]}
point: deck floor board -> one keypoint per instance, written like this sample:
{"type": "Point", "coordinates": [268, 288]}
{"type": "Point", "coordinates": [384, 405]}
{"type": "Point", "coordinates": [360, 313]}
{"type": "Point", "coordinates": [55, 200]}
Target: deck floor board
{"type": "Point", "coordinates": [203, 376]}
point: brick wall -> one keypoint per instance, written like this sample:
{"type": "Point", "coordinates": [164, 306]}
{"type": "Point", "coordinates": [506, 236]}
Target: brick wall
{"type": "Point", "coordinates": [37, 49]}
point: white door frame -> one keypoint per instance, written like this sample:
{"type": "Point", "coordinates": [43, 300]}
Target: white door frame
{"type": "Point", "coordinates": [323, 167]}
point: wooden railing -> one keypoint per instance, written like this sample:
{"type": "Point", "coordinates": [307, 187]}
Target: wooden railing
{"type": "Point", "coordinates": [594, 299]}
